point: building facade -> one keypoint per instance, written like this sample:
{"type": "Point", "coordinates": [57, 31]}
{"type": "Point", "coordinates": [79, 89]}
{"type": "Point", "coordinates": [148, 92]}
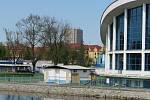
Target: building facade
{"type": "Point", "coordinates": [75, 36]}
{"type": "Point", "coordinates": [95, 53]}
{"type": "Point", "coordinates": [125, 31]}
{"type": "Point", "coordinates": [67, 74]}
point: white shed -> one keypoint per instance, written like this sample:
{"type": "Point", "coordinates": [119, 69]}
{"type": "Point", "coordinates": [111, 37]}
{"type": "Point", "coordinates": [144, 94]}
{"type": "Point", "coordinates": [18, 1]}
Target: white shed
{"type": "Point", "coordinates": [67, 74]}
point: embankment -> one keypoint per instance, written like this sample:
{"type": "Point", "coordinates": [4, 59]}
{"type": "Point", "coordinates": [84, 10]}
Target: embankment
{"type": "Point", "coordinates": [143, 94]}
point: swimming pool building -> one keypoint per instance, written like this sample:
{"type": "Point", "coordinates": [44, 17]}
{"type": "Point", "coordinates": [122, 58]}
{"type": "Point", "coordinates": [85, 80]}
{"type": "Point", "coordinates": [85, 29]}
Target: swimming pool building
{"type": "Point", "coordinates": [125, 31]}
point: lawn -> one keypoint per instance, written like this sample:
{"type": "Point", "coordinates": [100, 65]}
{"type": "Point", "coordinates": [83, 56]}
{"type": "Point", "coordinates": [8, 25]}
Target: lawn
{"type": "Point", "coordinates": [21, 78]}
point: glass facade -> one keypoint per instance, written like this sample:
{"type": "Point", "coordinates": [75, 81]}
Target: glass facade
{"type": "Point", "coordinates": [119, 62]}
{"type": "Point", "coordinates": [120, 32]}
{"type": "Point", "coordinates": [134, 29]}
{"type": "Point", "coordinates": [147, 62]}
{"type": "Point", "coordinates": [147, 35]}
{"type": "Point", "coordinates": [134, 40]}
{"type": "Point", "coordinates": [110, 61]}
{"type": "Point", "coordinates": [111, 37]}
{"type": "Point", "coordinates": [134, 61]}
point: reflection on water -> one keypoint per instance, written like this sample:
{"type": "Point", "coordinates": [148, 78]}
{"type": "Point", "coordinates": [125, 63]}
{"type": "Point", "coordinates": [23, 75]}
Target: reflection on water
{"type": "Point", "coordinates": [21, 97]}
{"type": "Point", "coordinates": [12, 97]}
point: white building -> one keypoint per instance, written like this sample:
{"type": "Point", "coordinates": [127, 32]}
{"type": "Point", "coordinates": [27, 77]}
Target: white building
{"type": "Point", "coordinates": [75, 36]}
{"type": "Point", "coordinates": [125, 31]}
{"type": "Point", "coordinates": [41, 64]}
{"type": "Point", "coordinates": [67, 74]}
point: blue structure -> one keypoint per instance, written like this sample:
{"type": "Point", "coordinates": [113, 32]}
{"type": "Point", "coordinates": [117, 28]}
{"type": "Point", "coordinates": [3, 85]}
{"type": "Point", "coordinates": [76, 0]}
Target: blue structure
{"type": "Point", "coordinates": [100, 61]}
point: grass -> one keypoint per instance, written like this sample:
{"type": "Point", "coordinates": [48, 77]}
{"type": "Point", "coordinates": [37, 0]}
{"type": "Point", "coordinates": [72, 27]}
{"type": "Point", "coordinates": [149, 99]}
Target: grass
{"type": "Point", "coordinates": [21, 78]}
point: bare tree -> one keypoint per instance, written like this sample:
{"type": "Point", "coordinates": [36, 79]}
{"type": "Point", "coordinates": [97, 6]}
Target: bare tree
{"type": "Point", "coordinates": [54, 34]}
{"type": "Point", "coordinates": [30, 28]}
{"type": "Point", "coordinates": [14, 44]}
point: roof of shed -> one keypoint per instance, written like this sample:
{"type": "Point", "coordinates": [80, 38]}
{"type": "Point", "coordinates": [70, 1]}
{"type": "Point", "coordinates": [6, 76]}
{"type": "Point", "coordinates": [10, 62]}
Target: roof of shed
{"type": "Point", "coordinates": [70, 67]}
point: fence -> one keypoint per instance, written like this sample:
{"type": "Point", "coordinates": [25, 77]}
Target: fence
{"type": "Point", "coordinates": [35, 78]}
{"type": "Point", "coordinates": [98, 82]}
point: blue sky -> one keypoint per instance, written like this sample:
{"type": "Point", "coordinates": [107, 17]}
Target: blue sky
{"type": "Point", "coordinates": [84, 14]}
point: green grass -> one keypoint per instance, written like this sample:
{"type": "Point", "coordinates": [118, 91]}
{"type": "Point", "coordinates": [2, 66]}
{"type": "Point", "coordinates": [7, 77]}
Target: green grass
{"type": "Point", "coordinates": [15, 73]}
{"type": "Point", "coordinates": [21, 78]}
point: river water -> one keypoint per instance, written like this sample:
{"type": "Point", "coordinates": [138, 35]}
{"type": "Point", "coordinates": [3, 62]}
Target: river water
{"type": "Point", "coordinates": [15, 97]}
{"type": "Point", "coordinates": [29, 96]}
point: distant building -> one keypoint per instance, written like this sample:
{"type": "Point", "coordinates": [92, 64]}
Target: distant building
{"type": "Point", "coordinates": [11, 66]}
{"type": "Point", "coordinates": [75, 36]}
{"type": "Point", "coordinates": [67, 74]}
{"type": "Point", "coordinates": [94, 52]}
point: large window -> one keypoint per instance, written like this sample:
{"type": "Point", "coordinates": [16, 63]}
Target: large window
{"type": "Point", "coordinates": [147, 36]}
{"type": "Point", "coordinates": [147, 62]}
{"type": "Point", "coordinates": [120, 32]}
{"type": "Point", "coordinates": [119, 62]}
{"type": "Point", "coordinates": [110, 63]}
{"type": "Point", "coordinates": [134, 61]}
{"type": "Point", "coordinates": [111, 37]}
{"type": "Point", "coordinates": [134, 35]}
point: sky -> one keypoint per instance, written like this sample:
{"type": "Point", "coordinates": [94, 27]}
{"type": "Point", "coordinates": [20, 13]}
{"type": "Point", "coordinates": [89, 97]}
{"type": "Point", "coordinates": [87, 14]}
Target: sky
{"type": "Point", "coordinates": [84, 14]}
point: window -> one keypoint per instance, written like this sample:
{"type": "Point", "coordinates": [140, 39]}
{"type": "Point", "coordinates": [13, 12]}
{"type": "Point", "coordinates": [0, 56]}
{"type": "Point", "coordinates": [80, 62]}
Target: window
{"type": "Point", "coordinates": [134, 61]}
{"type": "Point", "coordinates": [110, 61]}
{"type": "Point", "coordinates": [111, 36]}
{"type": "Point", "coordinates": [134, 33]}
{"type": "Point", "coordinates": [74, 71]}
{"type": "Point", "coordinates": [120, 32]}
{"type": "Point", "coordinates": [101, 61]}
{"type": "Point", "coordinates": [84, 71]}
{"type": "Point", "coordinates": [147, 62]}
{"type": "Point", "coordinates": [119, 62]}
{"type": "Point", "coordinates": [147, 35]}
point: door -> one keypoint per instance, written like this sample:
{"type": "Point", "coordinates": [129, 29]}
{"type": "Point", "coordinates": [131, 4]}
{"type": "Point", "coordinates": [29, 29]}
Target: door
{"type": "Point", "coordinates": [75, 78]}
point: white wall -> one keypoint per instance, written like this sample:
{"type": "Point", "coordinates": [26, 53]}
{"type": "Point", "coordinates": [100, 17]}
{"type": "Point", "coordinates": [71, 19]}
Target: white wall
{"type": "Point", "coordinates": [84, 75]}
{"type": "Point", "coordinates": [57, 75]}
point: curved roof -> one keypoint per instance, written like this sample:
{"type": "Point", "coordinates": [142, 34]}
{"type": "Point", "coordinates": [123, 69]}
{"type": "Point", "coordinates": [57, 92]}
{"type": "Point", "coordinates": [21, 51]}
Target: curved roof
{"type": "Point", "coordinates": [114, 9]}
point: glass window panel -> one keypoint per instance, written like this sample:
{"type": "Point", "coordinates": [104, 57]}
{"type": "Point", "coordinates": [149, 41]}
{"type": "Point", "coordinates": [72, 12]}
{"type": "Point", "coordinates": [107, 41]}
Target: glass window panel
{"type": "Point", "coordinates": [119, 62]}
{"type": "Point", "coordinates": [134, 34]}
{"type": "Point", "coordinates": [134, 61]}
{"type": "Point", "coordinates": [120, 32]}
{"type": "Point", "coordinates": [147, 62]}
{"type": "Point", "coordinates": [147, 35]}
{"type": "Point", "coordinates": [110, 61]}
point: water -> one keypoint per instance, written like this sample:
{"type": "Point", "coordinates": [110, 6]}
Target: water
{"type": "Point", "coordinates": [29, 96]}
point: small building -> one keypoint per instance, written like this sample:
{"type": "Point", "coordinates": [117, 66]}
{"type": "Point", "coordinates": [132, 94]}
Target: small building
{"type": "Point", "coordinates": [41, 64]}
{"type": "Point", "coordinates": [11, 66]}
{"type": "Point", "coordinates": [67, 74]}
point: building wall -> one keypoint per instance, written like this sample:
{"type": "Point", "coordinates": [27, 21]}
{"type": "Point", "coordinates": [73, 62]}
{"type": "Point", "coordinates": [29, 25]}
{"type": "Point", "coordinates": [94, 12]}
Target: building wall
{"type": "Point", "coordinates": [97, 56]}
{"type": "Point", "coordinates": [83, 75]}
{"type": "Point", "coordinates": [127, 40]}
{"type": "Point", "coordinates": [59, 76]}
{"type": "Point", "coordinates": [63, 76]}
{"type": "Point", "coordinates": [75, 36]}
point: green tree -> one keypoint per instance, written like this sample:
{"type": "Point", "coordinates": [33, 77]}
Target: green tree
{"type": "Point", "coordinates": [65, 55]}
{"type": "Point", "coordinates": [27, 53]}
{"type": "Point", "coordinates": [54, 34]}
{"type": "Point", "coordinates": [3, 51]}
{"type": "Point", "coordinates": [81, 55]}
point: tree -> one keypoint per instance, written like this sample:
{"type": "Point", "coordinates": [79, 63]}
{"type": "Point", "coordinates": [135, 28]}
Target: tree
{"type": "Point", "coordinates": [30, 28]}
{"type": "Point", "coordinates": [54, 34]}
{"type": "Point", "coordinates": [81, 55]}
{"type": "Point", "coordinates": [3, 51]}
{"type": "Point", "coordinates": [14, 44]}
{"type": "Point", "coordinates": [27, 53]}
